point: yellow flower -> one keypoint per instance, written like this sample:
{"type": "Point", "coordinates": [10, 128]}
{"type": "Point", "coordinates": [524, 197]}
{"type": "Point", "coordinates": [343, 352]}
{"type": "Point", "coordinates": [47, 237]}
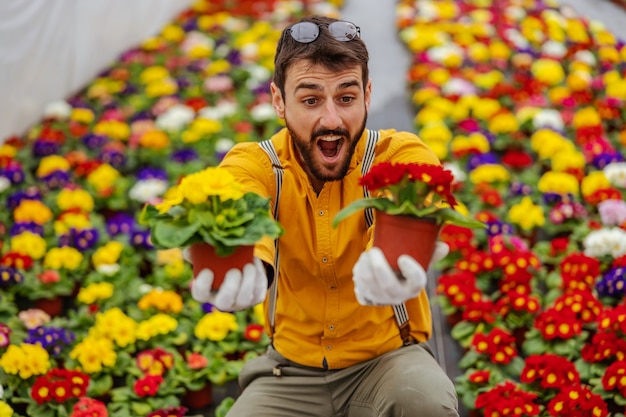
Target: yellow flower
{"type": "Point", "coordinates": [527, 215]}
{"type": "Point", "coordinates": [154, 139]}
{"type": "Point", "coordinates": [548, 71]}
{"type": "Point", "coordinates": [165, 87]}
{"type": "Point", "coordinates": [26, 360]}
{"type": "Point", "coordinates": [63, 257]}
{"type": "Point", "coordinates": [51, 163]}
{"type": "Point", "coordinates": [94, 353]}
{"type": "Point", "coordinates": [32, 211]}
{"type": "Point", "coordinates": [114, 324]}
{"type": "Point", "coordinates": [95, 292]}
{"type": "Point", "coordinates": [5, 409]}
{"type": "Point", "coordinates": [593, 182]}
{"type": "Point", "coordinates": [163, 300]}
{"type": "Point", "coordinates": [218, 66]}
{"type": "Point", "coordinates": [103, 177]}
{"type": "Point", "coordinates": [82, 115]}
{"type": "Point", "coordinates": [30, 244]}
{"type": "Point", "coordinates": [215, 326]}
{"type": "Point", "coordinates": [173, 33]}
{"type": "Point", "coordinates": [617, 89]}
{"type": "Point", "coordinates": [78, 221]}
{"type": "Point", "coordinates": [153, 74]}
{"type": "Point", "coordinates": [485, 108]}
{"type": "Point", "coordinates": [489, 173]}
{"type": "Point", "coordinates": [68, 199]}
{"type": "Point", "coordinates": [435, 132]}
{"type": "Point", "coordinates": [166, 256]}
{"type": "Point", "coordinates": [503, 123]}
{"type": "Point", "coordinates": [108, 254]}
{"type": "Point", "coordinates": [568, 159]}
{"type": "Point", "coordinates": [587, 117]}
{"type": "Point", "coordinates": [8, 150]}
{"type": "Point", "coordinates": [114, 129]}
{"type": "Point", "coordinates": [475, 141]}
{"type": "Point", "coordinates": [547, 143]}
{"type": "Point", "coordinates": [259, 314]}
{"type": "Point", "coordinates": [159, 324]}
{"type": "Point", "coordinates": [558, 183]}
{"type": "Point", "coordinates": [175, 269]}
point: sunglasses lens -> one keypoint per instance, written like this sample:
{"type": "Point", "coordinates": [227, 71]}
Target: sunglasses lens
{"type": "Point", "coordinates": [305, 32]}
{"type": "Point", "coordinates": [343, 31]}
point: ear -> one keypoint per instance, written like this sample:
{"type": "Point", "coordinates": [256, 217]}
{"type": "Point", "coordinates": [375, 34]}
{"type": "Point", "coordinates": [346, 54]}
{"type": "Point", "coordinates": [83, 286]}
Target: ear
{"type": "Point", "coordinates": [368, 94]}
{"type": "Point", "coordinates": [277, 101]}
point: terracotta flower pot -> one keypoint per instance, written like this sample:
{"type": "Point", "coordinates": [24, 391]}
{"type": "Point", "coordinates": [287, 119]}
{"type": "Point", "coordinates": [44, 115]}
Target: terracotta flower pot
{"type": "Point", "coordinates": [196, 399]}
{"type": "Point", "coordinates": [405, 235]}
{"type": "Point", "coordinates": [52, 306]}
{"type": "Point", "coordinates": [203, 256]}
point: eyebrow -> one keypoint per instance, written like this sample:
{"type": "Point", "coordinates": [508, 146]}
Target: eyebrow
{"type": "Point", "coordinates": [317, 87]}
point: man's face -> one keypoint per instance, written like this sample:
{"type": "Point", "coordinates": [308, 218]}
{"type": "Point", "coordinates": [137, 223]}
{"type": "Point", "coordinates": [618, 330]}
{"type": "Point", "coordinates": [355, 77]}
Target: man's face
{"type": "Point", "coordinates": [325, 113]}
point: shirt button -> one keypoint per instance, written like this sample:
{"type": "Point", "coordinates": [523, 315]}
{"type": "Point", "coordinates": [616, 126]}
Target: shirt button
{"type": "Point", "coordinates": [324, 259]}
{"type": "Point", "coordinates": [329, 347]}
{"type": "Point", "coordinates": [321, 212]}
{"type": "Point", "coordinates": [331, 327]}
{"type": "Point", "coordinates": [332, 287]}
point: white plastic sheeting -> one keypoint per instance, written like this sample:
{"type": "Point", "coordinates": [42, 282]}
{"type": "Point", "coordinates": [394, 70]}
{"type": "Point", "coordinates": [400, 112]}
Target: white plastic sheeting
{"type": "Point", "coordinates": [50, 49]}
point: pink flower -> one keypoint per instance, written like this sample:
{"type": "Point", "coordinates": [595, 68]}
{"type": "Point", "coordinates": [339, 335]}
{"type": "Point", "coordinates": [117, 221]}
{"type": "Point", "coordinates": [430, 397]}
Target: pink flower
{"type": "Point", "coordinates": [612, 212]}
{"type": "Point", "coordinates": [33, 318]}
{"type": "Point", "coordinates": [218, 84]}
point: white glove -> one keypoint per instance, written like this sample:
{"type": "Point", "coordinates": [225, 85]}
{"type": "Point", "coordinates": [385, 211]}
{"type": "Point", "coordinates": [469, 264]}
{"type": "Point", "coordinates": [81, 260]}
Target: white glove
{"type": "Point", "coordinates": [375, 283]}
{"type": "Point", "coordinates": [241, 288]}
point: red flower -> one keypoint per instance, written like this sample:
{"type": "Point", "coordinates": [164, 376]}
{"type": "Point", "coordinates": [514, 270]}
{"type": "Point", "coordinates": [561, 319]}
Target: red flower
{"type": "Point", "coordinates": [604, 347]}
{"type": "Point", "coordinates": [517, 159]}
{"type": "Point", "coordinates": [49, 276]}
{"type": "Point", "coordinates": [253, 332]}
{"type": "Point", "coordinates": [17, 260]}
{"type": "Point", "coordinates": [178, 411]}
{"type": "Point", "coordinates": [554, 324]}
{"type": "Point", "coordinates": [148, 386]}
{"type": "Point", "coordinates": [507, 399]}
{"type": "Point", "coordinates": [60, 385]}
{"type": "Point", "coordinates": [579, 271]}
{"type": "Point", "coordinates": [88, 407]}
{"type": "Point", "coordinates": [614, 378]}
{"type": "Point", "coordinates": [479, 377]}
{"type": "Point", "coordinates": [577, 401]}
{"type": "Point", "coordinates": [196, 361]}
{"type": "Point", "coordinates": [550, 371]}
{"type": "Point", "coordinates": [498, 344]}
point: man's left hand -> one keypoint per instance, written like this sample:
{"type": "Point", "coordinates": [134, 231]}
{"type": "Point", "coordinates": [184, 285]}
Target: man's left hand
{"type": "Point", "coordinates": [375, 283]}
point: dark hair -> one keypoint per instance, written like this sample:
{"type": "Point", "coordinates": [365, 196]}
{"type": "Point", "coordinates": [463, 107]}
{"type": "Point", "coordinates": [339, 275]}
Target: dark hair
{"type": "Point", "coordinates": [326, 51]}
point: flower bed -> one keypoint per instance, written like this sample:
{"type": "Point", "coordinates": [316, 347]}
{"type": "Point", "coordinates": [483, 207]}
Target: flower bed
{"type": "Point", "coordinates": [526, 105]}
{"type": "Point", "coordinates": [94, 319]}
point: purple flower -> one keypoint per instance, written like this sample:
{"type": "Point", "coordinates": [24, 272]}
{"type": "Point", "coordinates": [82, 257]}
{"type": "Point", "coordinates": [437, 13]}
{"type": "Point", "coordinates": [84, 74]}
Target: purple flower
{"type": "Point", "coordinates": [151, 173]}
{"type": "Point", "coordinates": [613, 283]}
{"type": "Point", "coordinates": [80, 239]}
{"type": "Point", "coordinates": [52, 339]}
{"type": "Point", "coordinates": [481, 159]}
{"type": "Point", "coordinates": [519, 188]}
{"type": "Point", "coordinates": [183, 156]}
{"type": "Point", "coordinates": [93, 141]}
{"type": "Point", "coordinates": [141, 238]}
{"type": "Point", "coordinates": [15, 199]}
{"type": "Point", "coordinates": [13, 172]}
{"type": "Point", "coordinates": [10, 276]}
{"type": "Point", "coordinates": [43, 147]}
{"type": "Point", "coordinates": [603, 159]}
{"type": "Point", "coordinates": [56, 179]}
{"type": "Point", "coordinates": [120, 223]}
{"type": "Point", "coordinates": [21, 227]}
{"type": "Point", "coordinates": [497, 227]}
{"type": "Point", "coordinates": [113, 157]}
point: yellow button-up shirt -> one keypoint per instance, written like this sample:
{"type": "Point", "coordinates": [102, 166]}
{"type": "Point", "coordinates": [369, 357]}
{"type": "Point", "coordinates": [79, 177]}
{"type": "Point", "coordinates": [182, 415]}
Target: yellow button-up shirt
{"type": "Point", "coordinates": [318, 321]}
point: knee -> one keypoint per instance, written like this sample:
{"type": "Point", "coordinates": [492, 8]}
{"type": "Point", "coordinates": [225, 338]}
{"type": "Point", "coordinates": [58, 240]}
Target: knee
{"type": "Point", "coordinates": [432, 397]}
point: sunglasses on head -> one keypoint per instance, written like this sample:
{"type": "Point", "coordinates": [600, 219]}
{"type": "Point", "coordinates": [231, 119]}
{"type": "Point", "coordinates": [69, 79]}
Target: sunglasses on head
{"type": "Point", "coordinates": [307, 32]}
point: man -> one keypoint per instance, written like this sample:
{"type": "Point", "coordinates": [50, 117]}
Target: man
{"type": "Point", "coordinates": [337, 345]}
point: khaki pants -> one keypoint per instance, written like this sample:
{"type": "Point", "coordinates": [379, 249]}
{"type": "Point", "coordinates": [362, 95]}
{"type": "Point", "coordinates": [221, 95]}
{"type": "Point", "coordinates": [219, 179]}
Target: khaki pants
{"type": "Point", "coordinates": [404, 382]}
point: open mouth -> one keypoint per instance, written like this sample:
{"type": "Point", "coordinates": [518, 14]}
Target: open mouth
{"type": "Point", "coordinates": [330, 147]}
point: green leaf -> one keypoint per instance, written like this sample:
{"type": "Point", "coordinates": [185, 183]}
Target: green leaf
{"type": "Point", "coordinates": [172, 234]}
{"type": "Point", "coordinates": [379, 203]}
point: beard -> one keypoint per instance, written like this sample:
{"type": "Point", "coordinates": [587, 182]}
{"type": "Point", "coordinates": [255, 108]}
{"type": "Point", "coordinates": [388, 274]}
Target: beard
{"type": "Point", "coordinates": [307, 150]}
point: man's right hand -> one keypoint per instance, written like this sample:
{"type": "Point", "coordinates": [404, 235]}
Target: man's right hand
{"type": "Point", "coordinates": [241, 288]}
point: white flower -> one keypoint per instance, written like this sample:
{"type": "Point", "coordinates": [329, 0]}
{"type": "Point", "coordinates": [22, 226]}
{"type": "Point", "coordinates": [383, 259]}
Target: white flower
{"type": "Point", "coordinates": [605, 242]}
{"type": "Point", "coordinates": [427, 10]}
{"type": "Point", "coordinates": [60, 110]}
{"type": "Point", "coordinates": [145, 288]}
{"type": "Point", "coordinates": [147, 190]}
{"type": "Point", "coordinates": [223, 109]}
{"type": "Point", "coordinates": [458, 86]}
{"type": "Point", "coordinates": [548, 118]}
{"type": "Point", "coordinates": [458, 174]}
{"type": "Point", "coordinates": [4, 183]}
{"type": "Point", "coordinates": [441, 53]}
{"type": "Point", "coordinates": [516, 38]}
{"type": "Point", "coordinates": [615, 172]}
{"type": "Point", "coordinates": [554, 49]}
{"type": "Point", "coordinates": [586, 57]}
{"type": "Point", "coordinates": [108, 269]}
{"type": "Point", "coordinates": [175, 118]}
{"type": "Point", "coordinates": [262, 112]}
{"type": "Point", "coordinates": [195, 39]}
{"type": "Point", "coordinates": [516, 13]}
{"type": "Point", "coordinates": [223, 145]}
